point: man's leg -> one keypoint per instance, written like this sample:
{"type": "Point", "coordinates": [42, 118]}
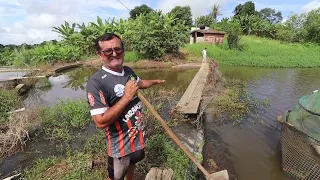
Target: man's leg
{"type": "Point", "coordinates": [135, 158]}
{"type": "Point", "coordinates": [130, 172]}
{"type": "Point", "coordinates": [117, 167]}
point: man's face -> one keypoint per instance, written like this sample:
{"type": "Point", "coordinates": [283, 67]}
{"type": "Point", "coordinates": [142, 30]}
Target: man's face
{"type": "Point", "coordinates": [112, 53]}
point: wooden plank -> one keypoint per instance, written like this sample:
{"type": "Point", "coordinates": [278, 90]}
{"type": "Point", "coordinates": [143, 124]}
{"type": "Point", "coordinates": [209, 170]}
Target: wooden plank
{"type": "Point", "coordinates": [190, 100]}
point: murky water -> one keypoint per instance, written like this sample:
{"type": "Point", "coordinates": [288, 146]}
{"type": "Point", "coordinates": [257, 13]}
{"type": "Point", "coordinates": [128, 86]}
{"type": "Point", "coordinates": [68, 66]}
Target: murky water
{"type": "Point", "coordinates": [254, 148]}
{"type": "Point", "coordinates": [7, 75]}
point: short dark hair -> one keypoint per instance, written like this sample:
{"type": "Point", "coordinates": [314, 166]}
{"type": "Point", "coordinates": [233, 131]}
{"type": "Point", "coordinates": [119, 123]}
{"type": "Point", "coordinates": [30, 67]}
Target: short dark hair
{"type": "Point", "coordinates": [106, 37]}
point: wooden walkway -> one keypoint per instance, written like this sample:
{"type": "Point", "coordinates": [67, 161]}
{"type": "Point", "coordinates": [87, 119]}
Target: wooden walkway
{"type": "Point", "coordinates": [190, 101]}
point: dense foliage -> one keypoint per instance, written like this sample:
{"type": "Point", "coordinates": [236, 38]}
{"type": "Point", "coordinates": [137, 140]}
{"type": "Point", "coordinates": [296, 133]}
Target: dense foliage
{"type": "Point", "coordinates": [147, 35]}
{"type": "Point", "coordinates": [142, 9]}
{"type": "Point", "coordinates": [300, 28]}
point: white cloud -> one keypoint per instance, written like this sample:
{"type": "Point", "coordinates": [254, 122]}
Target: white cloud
{"type": "Point", "coordinates": [116, 4]}
{"type": "Point", "coordinates": [2, 30]}
{"type": "Point", "coordinates": [310, 6]}
{"type": "Point", "coordinates": [198, 7]}
{"type": "Point", "coordinates": [37, 17]}
{"type": "Point", "coordinates": [278, 6]}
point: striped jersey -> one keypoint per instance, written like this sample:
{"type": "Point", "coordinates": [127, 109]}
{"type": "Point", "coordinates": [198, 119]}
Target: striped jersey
{"type": "Point", "coordinates": [104, 89]}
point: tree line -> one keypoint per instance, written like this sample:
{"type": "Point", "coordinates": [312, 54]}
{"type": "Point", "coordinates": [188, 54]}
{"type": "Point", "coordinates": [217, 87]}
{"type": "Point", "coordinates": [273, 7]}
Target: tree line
{"type": "Point", "coordinates": [153, 34]}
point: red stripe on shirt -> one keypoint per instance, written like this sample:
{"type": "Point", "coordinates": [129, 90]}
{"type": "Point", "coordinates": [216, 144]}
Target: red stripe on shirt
{"type": "Point", "coordinates": [109, 142]}
{"type": "Point", "coordinates": [120, 138]}
{"type": "Point", "coordinates": [141, 139]}
{"type": "Point", "coordinates": [131, 138]}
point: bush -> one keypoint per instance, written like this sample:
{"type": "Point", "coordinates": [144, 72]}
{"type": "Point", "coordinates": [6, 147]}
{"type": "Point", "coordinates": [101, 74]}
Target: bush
{"type": "Point", "coordinates": [155, 34]}
{"type": "Point", "coordinates": [132, 56]}
{"type": "Point", "coordinates": [234, 42]}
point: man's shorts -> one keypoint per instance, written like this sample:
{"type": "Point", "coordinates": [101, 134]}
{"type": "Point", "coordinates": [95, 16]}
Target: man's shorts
{"type": "Point", "coordinates": [117, 167]}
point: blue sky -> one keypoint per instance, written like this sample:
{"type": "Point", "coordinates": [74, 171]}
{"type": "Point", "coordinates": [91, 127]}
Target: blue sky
{"type": "Point", "coordinates": [31, 21]}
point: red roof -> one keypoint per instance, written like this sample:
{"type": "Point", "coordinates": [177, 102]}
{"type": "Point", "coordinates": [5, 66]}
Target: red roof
{"type": "Point", "coordinates": [207, 31]}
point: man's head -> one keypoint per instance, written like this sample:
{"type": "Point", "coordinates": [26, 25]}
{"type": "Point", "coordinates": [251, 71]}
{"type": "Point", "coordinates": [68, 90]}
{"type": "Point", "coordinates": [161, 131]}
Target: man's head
{"type": "Point", "coordinates": [111, 50]}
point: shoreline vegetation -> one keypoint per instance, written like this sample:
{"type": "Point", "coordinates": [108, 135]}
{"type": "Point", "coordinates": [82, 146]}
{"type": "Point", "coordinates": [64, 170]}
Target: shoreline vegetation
{"type": "Point", "coordinates": [258, 52]}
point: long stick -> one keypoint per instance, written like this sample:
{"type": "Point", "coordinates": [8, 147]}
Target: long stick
{"type": "Point", "coordinates": [171, 134]}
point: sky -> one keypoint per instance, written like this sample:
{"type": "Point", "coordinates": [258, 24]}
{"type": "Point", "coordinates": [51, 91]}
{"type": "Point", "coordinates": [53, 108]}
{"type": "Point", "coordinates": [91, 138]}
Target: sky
{"type": "Point", "coordinates": [31, 21]}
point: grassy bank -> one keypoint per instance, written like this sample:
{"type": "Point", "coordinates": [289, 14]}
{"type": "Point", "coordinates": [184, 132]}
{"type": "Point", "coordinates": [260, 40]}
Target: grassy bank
{"type": "Point", "coordinates": [260, 52]}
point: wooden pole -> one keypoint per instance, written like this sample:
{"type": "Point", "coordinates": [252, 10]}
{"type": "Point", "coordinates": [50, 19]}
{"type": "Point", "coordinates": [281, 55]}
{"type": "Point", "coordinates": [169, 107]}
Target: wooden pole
{"type": "Point", "coordinates": [173, 136]}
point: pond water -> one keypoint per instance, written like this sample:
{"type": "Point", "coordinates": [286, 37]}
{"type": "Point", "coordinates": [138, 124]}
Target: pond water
{"type": "Point", "coordinates": [7, 75]}
{"type": "Point", "coordinates": [252, 147]}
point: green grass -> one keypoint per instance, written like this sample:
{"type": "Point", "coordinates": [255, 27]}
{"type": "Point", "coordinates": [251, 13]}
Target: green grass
{"type": "Point", "coordinates": [76, 166]}
{"type": "Point", "coordinates": [131, 56]}
{"type": "Point", "coordinates": [260, 52]}
{"type": "Point", "coordinates": [9, 99]}
{"type": "Point", "coordinates": [161, 152]}
{"type": "Point", "coordinates": [58, 121]}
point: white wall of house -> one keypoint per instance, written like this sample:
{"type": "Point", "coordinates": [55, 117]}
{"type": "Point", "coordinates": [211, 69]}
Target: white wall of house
{"type": "Point", "coordinates": [200, 39]}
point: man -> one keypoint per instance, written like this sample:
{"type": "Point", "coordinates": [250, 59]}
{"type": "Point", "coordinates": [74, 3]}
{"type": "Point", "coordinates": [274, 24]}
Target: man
{"type": "Point", "coordinates": [115, 107]}
{"type": "Point", "coordinates": [204, 55]}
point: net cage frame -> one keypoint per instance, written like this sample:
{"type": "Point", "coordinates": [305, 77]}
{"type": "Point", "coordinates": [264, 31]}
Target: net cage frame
{"type": "Point", "coordinates": [299, 156]}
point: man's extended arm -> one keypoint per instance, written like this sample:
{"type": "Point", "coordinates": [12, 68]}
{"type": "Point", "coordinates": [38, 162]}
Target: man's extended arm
{"type": "Point", "coordinates": [144, 84]}
{"type": "Point", "coordinates": [107, 118]}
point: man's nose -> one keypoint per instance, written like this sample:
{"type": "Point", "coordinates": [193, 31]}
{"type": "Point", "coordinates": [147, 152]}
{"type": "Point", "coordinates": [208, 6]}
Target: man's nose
{"type": "Point", "coordinates": [114, 53]}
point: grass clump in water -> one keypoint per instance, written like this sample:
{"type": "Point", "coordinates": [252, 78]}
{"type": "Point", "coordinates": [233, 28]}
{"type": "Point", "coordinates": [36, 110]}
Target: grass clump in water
{"type": "Point", "coordinates": [234, 102]}
{"type": "Point", "coordinates": [59, 120]}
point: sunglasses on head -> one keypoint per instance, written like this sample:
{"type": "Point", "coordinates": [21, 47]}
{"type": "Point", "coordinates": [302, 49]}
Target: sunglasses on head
{"type": "Point", "coordinates": [109, 51]}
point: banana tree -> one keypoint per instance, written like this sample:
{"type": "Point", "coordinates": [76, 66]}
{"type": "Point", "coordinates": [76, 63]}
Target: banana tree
{"type": "Point", "coordinates": [106, 26]}
{"type": "Point", "coordinates": [65, 30]}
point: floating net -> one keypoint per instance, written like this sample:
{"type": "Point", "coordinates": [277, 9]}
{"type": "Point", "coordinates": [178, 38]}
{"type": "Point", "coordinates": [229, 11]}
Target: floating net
{"type": "Point", "coordinates": [301, 139]}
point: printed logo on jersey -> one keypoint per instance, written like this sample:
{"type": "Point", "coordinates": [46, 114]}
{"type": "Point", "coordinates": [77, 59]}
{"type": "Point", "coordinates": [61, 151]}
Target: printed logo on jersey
{"type": "Point", "coordinates": [91, 99]}
{"type": "Point", "coordinates": [104, 76]}
{"type": "Point", "coordinates": [139, 123]}
{"type": "Point", "coordinates": [132, 112]}
{"type": "Point", "coordinates": [103, 100]}
{"type": "Point", "coordinates": [119, 90]}
{"type": "Point", "coordinates": [133, 131]}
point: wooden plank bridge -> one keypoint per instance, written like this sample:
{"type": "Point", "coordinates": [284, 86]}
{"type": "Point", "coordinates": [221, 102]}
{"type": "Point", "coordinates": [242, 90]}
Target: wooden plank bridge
{"type": "Point", "coordinates": [190, 101]}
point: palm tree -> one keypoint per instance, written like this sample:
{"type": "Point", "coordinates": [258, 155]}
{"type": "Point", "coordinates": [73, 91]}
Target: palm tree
{"type": "Point", "coordinates": [65, 30]}
{"type": "Point", "coordinates": [215, 11]}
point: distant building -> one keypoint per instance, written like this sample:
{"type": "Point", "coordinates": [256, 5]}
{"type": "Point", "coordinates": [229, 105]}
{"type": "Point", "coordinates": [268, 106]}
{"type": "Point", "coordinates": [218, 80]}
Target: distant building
{"type": "Point", "coordinates": [206, 36]}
